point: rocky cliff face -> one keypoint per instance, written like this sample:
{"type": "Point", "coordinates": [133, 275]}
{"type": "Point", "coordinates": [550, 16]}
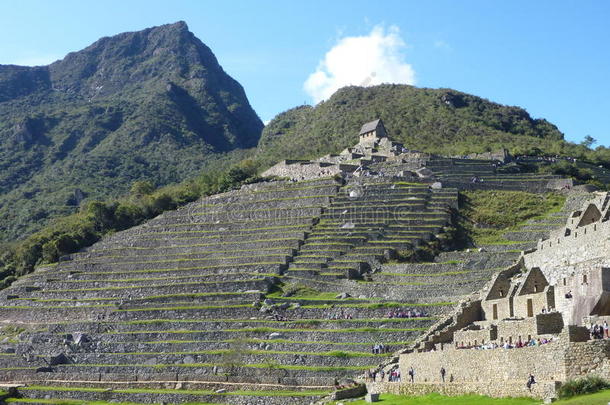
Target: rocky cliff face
{"type": "Point", "coordinates": [152, 104]}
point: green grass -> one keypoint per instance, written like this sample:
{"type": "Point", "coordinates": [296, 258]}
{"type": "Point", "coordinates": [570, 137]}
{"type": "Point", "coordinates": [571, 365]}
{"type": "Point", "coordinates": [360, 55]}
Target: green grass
{"type": "Point", "coordinates": [56, 401]}
{"type": "Point", "coordinates": [152, 286]}
{"type": "Point", "coordinates": [434, 399]}
{"type": "Point", "coordinates": [59, 401]}
{"type": "Point", "coordinates": [254, 210]}
{"type": "Point", "coordinates": [151, 297]}
{"type": "Point", "coordinates": [303, 197]}
{"type": "Point", "coordinates": [183, 259]}
{"type": "Point", "coordinates": [292, 322]}
{"type": "Point", "coordinates": [486, 215]}
{"type": "Point", "coordinates": [270, 330]}
{"type": "Point", "coordinates": [280, 341]}
{"type": "Point", "coordinates": [202, 365]}
{"type": "Point", "coordinates": [279, 393]}
{"type": "Point", "coordinates": [335, 353]}
{"type": "Point", "coordinates": [599, 398]}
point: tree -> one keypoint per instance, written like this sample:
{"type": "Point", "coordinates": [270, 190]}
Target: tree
{"type": "Point", "coordinates": [142, 188]}
{"type": "Point", "coordinates": [589, 141]}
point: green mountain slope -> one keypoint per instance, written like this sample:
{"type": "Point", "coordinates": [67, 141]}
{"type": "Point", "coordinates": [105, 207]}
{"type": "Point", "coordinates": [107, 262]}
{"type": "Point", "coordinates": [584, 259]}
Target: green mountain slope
{"type": "Point", "coordinates": [153, 104]}
{"type": "Point", "coordinates": [433, 120]}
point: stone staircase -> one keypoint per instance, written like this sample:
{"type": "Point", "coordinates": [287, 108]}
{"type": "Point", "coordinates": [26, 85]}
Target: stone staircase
{"type": "Point", "coordinates": [369, 222]}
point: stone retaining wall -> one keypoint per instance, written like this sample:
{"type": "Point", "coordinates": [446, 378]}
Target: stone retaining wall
{"type": "Point", "coordinates": [556, 361]}
{"type": "Point", "coordinates": [543, 389]}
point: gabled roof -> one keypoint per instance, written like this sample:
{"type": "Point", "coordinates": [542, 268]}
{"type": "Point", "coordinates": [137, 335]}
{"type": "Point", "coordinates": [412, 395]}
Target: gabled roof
{"type": "Point", "coordinates": [534, 278]}
{"type": "Point", "coordinates": [370, 126]}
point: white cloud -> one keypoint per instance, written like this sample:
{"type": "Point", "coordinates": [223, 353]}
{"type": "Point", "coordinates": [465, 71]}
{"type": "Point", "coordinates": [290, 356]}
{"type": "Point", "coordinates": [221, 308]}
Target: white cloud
{"type": "Point", "coordinates": [362, 61]}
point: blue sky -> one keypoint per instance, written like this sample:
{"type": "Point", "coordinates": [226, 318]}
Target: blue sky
{"type": "Point", "coordinates": [550, 57]}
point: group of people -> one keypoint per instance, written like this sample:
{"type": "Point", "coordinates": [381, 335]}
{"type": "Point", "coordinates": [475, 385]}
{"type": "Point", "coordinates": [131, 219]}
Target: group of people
{"type": "Point", "coordinates": [394, 375]}
{"type": "Point", "coordinates": [506, 345]}
{"type": "Point", "coordinates": [380, 349]}
{"type": "Point", "coordinates": [401, 313]}
{"type": "Point", "coordinates": [599, 331]}
{"type": "Point", "coordinates": [380, 375]}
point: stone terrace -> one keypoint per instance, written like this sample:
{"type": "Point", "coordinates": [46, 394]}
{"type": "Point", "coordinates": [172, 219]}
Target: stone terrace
{"type": "Point", "coordinates": [185, 307]}
{"type": "Point", "coordinates": [182, 301]}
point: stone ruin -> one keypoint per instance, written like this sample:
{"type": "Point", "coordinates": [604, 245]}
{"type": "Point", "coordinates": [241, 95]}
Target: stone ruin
{"type": "Point", "coordinates": [376, 154]}
{"type": "Point", "coordinates": [536, 317]}
{"type": "Point", "coordinates": [201, 304]}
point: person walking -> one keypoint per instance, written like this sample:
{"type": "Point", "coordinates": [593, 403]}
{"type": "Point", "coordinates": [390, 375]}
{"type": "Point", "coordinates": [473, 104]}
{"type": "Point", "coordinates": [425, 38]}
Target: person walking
{"type": "Point", "coordinates": [530, 381]}
{"type": "Point", "coordinates": [443, 374]}
{"type": "Point", "coordinates": [412, 374]}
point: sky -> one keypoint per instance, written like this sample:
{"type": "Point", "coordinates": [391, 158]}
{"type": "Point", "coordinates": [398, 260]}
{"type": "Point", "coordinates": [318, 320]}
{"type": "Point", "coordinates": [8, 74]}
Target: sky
{"type": "Point", "coordinates": [550, 57]}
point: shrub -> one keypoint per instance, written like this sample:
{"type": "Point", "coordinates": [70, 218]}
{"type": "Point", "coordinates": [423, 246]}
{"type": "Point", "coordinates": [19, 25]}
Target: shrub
{"type": "Point", "coordinates": [587, 385]}
{"type": "Point", "coordinates": [339, 354]}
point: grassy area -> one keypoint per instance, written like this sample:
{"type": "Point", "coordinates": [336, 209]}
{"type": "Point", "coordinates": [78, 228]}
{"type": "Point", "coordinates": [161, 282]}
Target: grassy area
{"type": "Point", "coordinates": [59, 401]}
{"type": "Point", "coordinates": [277, 393]}
{"type": "Point", "coordinates": [434, 399]}
{"type": "Point", "coordinates": [599, 398]}
{"type": "Point", "coordinates": [485, 215]}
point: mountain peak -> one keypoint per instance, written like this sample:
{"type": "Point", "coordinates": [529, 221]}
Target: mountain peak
{"type": "Point", "coordinates": [152, 104]}
{"type": "Point", "coordinates": [178, 25]}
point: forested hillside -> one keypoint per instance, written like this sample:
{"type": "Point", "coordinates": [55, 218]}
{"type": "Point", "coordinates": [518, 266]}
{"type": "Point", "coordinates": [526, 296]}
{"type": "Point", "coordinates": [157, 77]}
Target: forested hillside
{"type": "Point", "coordinates": [440, 121]}
{"type": "Point", "coordinates": [153, 104]}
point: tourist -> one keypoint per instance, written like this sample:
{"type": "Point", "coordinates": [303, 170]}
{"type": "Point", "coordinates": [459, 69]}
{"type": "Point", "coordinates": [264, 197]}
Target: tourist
{"type": "Point", "coordinates": [530, 381]}
{"type": "Point", "coordinates": [606, 330]}
{"type": "Point", "coordinates": [597, 332]}
{"type": "Point", "coordinates": [443, 374]}
{"type": "Point", "coordinates": [412, 374]}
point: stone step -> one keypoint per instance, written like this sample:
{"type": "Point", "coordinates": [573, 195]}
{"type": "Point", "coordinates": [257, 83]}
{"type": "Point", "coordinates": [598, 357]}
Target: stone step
{"type": "Point", "coordinates": [509, 247]}
{"type": "Point", "coordinates": [319, 247]}
{"type": "Point", "coordinates": [227, 237]}
{"type": "Point", "coordinates": [140, 263]}
{"type": "Point", "coordinates": [221, 272]}
{"type": "Point", "coordinates": [526, 236]}
{"type": "Point", "coordinates": [247, 205]}
{"type": "Point", "coordinates": [131, 291]}
{"type": "Point", "coordinates": [266, 215]}
{"type": "Point", "coordinates": [366, 335]}
{"type": "Point", "coordinates": [287, 243]}
{"type": "Point", "coordinates": [307, 266]}
{"type": "Point", "coordinates": [214, 298]}
{"type": "Point", "coordinates": [213, 227]}
{"type": "Point", "coordinates": [318, 253]}
{"type": "Point", "coordinates": [119, 255]}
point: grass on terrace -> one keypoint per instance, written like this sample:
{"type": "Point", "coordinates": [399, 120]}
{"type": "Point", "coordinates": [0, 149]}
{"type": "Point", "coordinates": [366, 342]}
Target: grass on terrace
{"type": "Point", "coordinates": [485, 215]}
{"type": "Point", "coordinates": [279, 393]}
{"type": "Point", "coordinates": [599, 398]}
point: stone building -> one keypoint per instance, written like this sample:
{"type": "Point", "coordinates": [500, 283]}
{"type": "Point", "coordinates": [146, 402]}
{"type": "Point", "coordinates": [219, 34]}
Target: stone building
{"type": "Point", "coordinates": [372, 132]}
{"type": "Point", "coordinates": [533, 318]}
{"type": "Point", "coordinates": [374, 146]}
